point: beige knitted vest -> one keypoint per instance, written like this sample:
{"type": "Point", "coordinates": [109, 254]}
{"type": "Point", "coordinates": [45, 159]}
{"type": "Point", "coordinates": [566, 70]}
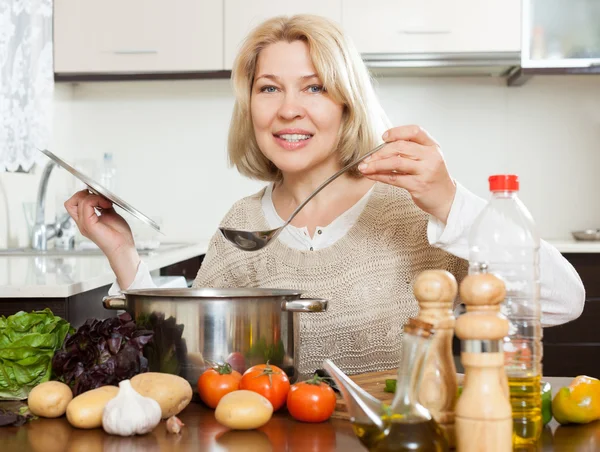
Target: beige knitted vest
{"type": "Point", "coordinates": [367, 277]}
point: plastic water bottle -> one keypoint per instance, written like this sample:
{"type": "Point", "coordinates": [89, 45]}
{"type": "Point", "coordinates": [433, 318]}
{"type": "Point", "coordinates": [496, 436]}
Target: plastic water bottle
{"type": "Point", "coordinates": [504, 239]}
{"type": "Point", "coordinates": [108, 178]}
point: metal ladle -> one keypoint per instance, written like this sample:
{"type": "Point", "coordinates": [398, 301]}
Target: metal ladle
{"type": "Point", "coordinates": [256, 240]}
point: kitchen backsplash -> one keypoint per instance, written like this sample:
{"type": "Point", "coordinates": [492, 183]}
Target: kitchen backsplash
{"type": "Point", "coordinates": [168, 139]}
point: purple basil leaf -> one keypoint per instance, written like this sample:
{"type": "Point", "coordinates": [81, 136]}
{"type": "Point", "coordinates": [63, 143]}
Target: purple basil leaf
{"type": "Point", "coordinates": [126, 362]}
{"type": "Point", "coordinates": [114, 344]}
{"type": "Point", "coordinates": [127, 329]}
{"type": "Point", "coordinates": [72, 341]}
{"type": "Point", "coordinates": [59, 361]}
{"type": "Point", "coordinates": [104, 357]}
{"type": "Point", "coordinates": [70, 362]}
{"type": "Point", "coordinates": [102, 352]}
{"type": "Point", "coordinates": [140, 341]}
{"type": "Point", "coordinates": [125, 317]}
{"type": "Point", "coordinates": [8, 418]}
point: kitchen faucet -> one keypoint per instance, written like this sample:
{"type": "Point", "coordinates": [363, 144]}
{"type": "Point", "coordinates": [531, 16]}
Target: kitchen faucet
{"type": "Point", "coordinates": [42, 232]}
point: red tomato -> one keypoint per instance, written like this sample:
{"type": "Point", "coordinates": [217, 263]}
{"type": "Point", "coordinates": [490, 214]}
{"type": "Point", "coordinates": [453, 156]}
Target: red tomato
{"type": "Point", "coordinates": [311, 401]}
{"type": "Point", "coordinates": [214, 383]}
{"type": "Point", "coordinates": [269, 381]}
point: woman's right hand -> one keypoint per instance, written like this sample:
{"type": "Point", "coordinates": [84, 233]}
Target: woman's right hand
{"type": "Point", "coordinates": [109, 231]}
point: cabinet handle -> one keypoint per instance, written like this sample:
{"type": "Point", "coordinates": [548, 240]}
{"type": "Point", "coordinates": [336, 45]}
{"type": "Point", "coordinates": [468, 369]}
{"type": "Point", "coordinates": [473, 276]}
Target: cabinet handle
{"type": "Point", "coordinates": [424, 32]}
{"type": "Point", "coordinates": [134, 52]}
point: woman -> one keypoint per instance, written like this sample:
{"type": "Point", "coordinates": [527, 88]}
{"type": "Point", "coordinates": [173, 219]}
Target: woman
{"type": "Point", "coordinates": [304, 108]}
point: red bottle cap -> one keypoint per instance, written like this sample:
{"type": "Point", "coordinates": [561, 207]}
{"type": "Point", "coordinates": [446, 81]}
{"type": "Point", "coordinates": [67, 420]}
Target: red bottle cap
{"type": "Point", "coordinates": [504, 182]}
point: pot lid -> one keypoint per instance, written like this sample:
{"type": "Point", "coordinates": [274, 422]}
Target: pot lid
{"type": "Point", "coordinates": [98, 189]}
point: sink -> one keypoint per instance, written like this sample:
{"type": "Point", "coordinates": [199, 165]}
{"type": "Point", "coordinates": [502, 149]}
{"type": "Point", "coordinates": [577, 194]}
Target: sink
{"type": "Point", "coordinates": [26, 251]}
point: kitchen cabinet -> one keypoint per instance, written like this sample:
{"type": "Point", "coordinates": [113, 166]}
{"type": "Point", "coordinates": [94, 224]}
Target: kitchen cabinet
{"type": "Point", "coordinates": [573, 348]}
{"type": "Point", "coordinates": [558, 37]}
{"type": "Point", "coordinates": [242, 15]}
{"type": "Point", "coordinates": [561, 33]}
{"type": "Point", "coordinates": [433, 26]}
{"type": "Point", "coordinates": [137, 36]}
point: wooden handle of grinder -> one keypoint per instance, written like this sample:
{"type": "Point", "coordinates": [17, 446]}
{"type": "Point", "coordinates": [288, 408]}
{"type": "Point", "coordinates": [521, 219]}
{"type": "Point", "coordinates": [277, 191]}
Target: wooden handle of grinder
{"type": "Point", "coordinates": [436, 291]}
{"type": "Point", "coordinates": [483, 411]}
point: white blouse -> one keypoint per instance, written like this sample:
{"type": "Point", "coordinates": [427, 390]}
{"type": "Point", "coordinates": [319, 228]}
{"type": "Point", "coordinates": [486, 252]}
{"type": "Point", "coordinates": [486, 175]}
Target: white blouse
{"type": "Point", "coordinates": [324, 236]}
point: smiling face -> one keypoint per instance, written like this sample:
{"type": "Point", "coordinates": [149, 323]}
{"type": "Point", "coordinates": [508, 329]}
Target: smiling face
{"type": "Point", "coordinates": [295, 122]}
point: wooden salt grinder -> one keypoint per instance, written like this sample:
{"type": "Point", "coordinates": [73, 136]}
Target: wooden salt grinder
{"type": "Point", "coordinates": [435, 291]}
{"type": "Point", "coordinates": [483, 412]}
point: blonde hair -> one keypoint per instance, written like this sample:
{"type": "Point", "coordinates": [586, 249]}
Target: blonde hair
{"type": "Point", "coordinates": [342, 72]}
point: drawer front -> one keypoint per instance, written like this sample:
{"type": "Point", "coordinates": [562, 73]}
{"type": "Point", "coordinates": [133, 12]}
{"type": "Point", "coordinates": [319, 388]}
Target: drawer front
{"type": "Point", "coordinates": [570, 360]}
{"type": "Point", "coordinates": [10, 306]}
{"type": "Point", "coordinates": [581, 330]}
{"type": "Point", "coordinates": [588, 267]}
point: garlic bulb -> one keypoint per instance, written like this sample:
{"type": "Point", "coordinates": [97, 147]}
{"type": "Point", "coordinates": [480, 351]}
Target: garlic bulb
{"type": "Point", "coordinates": [130, 413]}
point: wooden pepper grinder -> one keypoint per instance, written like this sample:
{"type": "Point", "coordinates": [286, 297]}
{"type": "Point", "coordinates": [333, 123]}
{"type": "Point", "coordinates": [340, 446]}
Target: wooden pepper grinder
{"type": "Point", "coordinates": [483, 412]}
{"type": "Point", "coordinates": [436, 291]}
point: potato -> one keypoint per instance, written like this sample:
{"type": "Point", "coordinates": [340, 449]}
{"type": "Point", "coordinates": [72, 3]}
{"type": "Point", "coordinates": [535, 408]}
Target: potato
{"type": "Point", "coordinates": [49, 399]}
{"type": "Point", "coordinates": [172, 392]}
{"type": "Point", "coordinates": [85, 410]}
{"type": "Point", "coordinates": [243, 410]}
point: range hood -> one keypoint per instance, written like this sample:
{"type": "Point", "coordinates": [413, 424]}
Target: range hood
{"type": "Point", "coordinates": [497, 64]}
{"type": "Point", "coordinates": [558, 37]}
{"type": "Point", "coordinates": [517, 68]}
{"type": "Point", "coordinates": [519, 75]}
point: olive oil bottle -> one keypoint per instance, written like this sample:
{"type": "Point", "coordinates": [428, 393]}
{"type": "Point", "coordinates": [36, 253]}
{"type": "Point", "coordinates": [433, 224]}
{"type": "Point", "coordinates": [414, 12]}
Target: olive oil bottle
{"type": "Point", "coordinates": [369, 434]}
{"type": "Point", "coordinates": [407, 425]}
{"type": "Point", "coordinates": [526, 406]}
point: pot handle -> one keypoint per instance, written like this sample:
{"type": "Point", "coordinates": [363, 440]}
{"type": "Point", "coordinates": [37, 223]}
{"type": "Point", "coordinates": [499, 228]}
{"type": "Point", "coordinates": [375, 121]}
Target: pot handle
{"type": "Point", "coordinates": [116, 302]}
{"type": "Point", "coordinates": [305, 305]}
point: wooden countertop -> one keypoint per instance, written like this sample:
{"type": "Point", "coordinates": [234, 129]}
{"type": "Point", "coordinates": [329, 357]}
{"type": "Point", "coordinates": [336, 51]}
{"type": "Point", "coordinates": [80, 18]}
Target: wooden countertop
{"type": "Point", "coordinates": [282, 433]}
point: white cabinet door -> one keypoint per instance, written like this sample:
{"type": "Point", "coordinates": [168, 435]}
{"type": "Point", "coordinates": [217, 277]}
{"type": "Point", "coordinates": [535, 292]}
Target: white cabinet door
{"type": "Point", "coordinates": [486, 26]}
{"type": "Point", "coordinates": [243, 15]}
{"type": "Point", "coordinates": [137, 36]}
{"type": "Point", "coordinates": [435, 26]}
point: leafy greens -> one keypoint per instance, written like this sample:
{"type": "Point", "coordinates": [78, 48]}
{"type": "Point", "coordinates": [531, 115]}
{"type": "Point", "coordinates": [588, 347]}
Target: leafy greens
{"type": "Point", "coordinates": [27, 344]}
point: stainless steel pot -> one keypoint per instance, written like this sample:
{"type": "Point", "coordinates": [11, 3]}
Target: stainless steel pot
{"type": "Point", "coordinates": [193, 327]}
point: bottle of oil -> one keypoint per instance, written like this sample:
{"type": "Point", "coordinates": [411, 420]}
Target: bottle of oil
{"type": "Point", "coordinates": [504, 240]}
{"type": "Point", "coordinates": [407, 425]}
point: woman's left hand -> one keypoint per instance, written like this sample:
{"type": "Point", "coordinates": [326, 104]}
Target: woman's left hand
{"type": "Point", "coordinates": [412, 160]}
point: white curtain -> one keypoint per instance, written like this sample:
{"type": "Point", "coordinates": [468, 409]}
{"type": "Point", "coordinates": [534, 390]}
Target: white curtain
{"type": "Point", "coordinates": [26, 81]}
